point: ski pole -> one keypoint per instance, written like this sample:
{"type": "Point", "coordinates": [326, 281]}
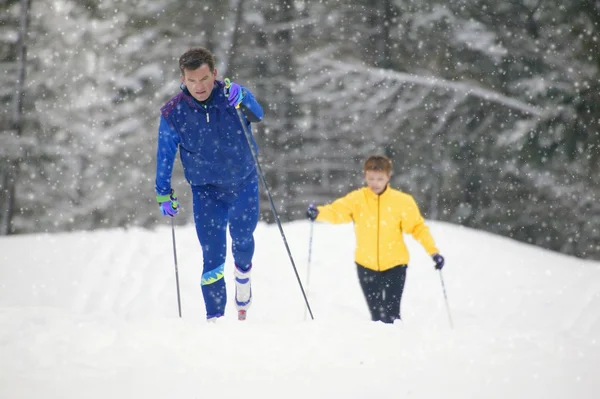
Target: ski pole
{"type": "Point", "coordinates": [271, 203]}
{"type": "Point", "coordinates": [310, 240]}
{"type": "Point", "coordinates": [446, 299]}
{"type": "Point", "coordinates": [176, 271]}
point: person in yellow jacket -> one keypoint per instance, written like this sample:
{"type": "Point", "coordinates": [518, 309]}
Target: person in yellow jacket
{"type": "Point", "coordinates": [381, 216]}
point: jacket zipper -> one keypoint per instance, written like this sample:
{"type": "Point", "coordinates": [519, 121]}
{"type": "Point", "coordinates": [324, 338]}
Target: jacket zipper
{"type": "Point", "coordinates": [207, 117]}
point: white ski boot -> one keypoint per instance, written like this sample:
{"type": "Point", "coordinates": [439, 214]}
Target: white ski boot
{"type": "Point", "coordinates": [243, 292]}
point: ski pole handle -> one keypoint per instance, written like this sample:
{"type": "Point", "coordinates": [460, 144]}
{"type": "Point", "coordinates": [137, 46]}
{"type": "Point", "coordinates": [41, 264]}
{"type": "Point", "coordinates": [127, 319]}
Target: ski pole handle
{"type": "Point", "coordinates": [227, 86]}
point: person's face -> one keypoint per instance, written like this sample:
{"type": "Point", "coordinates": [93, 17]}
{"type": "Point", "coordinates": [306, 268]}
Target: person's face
{"type": "Point", "coordinates": [199, 81]}
{"type": "Point", "coordinates": [377, 180]}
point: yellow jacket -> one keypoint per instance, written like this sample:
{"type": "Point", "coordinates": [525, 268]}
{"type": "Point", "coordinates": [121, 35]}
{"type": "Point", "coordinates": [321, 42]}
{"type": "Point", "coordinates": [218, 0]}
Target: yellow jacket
{"type": "Point", "coordinates": [379, 221]}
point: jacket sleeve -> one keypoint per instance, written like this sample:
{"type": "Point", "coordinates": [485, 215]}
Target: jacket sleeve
{"type": "Point", "coordinates": [250, 107]}
{"type": "Point", "coordinates": [414, 224]}
{"type": "Point", "coordinates": [339, 211]}
{"type": "Point", "coordinates": [168, 142]}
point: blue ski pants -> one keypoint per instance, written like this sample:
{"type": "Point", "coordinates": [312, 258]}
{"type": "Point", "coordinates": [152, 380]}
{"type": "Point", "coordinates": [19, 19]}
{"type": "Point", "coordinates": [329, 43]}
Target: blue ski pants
{"type": "Point", "coordinates": [216, 208]}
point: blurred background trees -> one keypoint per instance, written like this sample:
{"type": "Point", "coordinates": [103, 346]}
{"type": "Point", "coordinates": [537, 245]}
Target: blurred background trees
{"type": "Point", "coordinates": [488, 110]}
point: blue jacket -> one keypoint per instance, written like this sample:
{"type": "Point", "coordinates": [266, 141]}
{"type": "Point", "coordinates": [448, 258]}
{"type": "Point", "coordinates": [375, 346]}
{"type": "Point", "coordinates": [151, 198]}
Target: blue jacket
{"type": "Point", "coordinates": [211, 141]}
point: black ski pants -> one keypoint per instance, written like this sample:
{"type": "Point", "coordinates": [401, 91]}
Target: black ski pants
{"type": "Point", "coordinates": [383, 291]}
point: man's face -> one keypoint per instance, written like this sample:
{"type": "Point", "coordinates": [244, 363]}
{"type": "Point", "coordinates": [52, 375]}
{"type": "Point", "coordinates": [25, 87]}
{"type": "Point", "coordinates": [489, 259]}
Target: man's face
{"type": "Point", "coordinates": [199, 81]}
{"type": "Point", "coordinates": [377, 180]}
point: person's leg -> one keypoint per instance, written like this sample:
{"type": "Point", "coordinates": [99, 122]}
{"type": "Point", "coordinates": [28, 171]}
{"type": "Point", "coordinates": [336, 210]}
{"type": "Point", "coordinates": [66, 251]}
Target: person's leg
{"type": "Point", "coordinates": [392, 292]}
{"type": "Point", "coordinates": [370, 282]}
{"type": "Point", "coordinates": [243, 218]}
{"type": "Point", "coordinates": [210, 217]}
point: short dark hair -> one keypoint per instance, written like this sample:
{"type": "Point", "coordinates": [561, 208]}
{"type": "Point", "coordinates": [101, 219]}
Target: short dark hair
{"type": "Point", "coordinates": [195, 58]}
{"type": "Point", "coordinates": [378, 163]}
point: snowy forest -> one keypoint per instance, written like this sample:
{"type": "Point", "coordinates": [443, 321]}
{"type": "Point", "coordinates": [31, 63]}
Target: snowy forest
{"type": "Point", "coordinates": [489, 110]}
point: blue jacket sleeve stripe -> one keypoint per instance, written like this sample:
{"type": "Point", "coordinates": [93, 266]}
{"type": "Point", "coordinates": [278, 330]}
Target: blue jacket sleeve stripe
{"type": "Point", "coordinates": [168, 142]}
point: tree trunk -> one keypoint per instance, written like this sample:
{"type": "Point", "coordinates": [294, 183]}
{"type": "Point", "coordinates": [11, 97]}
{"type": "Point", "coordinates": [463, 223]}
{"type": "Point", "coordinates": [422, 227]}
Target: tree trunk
{"type": "Point", "coordinates": [7, 195]}
{"type": "Point", "coordinates": [225, 53]}
{"type": "Point", "coordinates": [8, 176]}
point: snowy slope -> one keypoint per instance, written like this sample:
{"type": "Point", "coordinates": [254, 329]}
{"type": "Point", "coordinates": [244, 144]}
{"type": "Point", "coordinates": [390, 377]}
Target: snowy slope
{"type": "Point", "coordinates": [94, 315]}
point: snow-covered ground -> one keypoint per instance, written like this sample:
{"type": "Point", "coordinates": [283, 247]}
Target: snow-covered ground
{"type": "Point", "coordinates": [94, 315]}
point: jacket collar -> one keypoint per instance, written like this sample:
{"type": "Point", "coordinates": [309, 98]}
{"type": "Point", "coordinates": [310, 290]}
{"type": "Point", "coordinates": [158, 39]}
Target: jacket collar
{"type": "Point", "coordinates": [216, 91]}
{"type": "Point", "coordinates": [383, 194]}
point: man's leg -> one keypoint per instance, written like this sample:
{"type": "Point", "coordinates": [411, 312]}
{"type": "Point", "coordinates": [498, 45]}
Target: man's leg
{"type": "Point", "coordinates": [392, 293]}
{"type": "Point", "coordinates": [371, 287]}
{"type": "Point", "coordinates": [243, 218]}
{"type": "Point", "coordinates": [210, 216]}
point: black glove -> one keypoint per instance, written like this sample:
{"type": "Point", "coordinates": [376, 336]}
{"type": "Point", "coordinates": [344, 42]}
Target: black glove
{"type": "Point", "coordinates": [312, 212]}
{"type": "Point", "coordinates": [439, 261]}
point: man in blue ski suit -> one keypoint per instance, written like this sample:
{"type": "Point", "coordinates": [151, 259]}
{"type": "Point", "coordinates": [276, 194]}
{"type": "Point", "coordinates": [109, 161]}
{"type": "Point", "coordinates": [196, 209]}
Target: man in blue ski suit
{"type": "Point", "coordinates": [202, 122]}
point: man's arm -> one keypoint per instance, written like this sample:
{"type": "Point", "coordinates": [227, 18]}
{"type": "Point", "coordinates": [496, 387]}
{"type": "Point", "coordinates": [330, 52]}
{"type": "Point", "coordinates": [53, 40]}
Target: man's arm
{"type": "Point", "coordinates": [250, 107]}
{"type": "Point", "coordinates": [168, 141]}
